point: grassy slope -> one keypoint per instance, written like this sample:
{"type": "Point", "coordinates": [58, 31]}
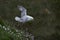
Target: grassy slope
{"type": "Point", "coordinates": [46, 14]}
{"type": "Point", "coordinates": [10, 33]}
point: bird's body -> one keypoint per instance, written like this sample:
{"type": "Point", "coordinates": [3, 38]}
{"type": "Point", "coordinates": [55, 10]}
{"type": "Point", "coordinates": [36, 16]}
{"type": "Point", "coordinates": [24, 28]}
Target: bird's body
{"type": "Point", "coordinates": [24, 17]}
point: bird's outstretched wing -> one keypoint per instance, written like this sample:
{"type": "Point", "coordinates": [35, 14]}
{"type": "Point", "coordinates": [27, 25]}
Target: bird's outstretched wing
{"type": "Point", "coordinates": [23, 11]}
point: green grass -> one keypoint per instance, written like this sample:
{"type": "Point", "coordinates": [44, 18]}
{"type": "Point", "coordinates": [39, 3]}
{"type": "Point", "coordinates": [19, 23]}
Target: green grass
{"type": "Point", "coordinates": [8, 33]}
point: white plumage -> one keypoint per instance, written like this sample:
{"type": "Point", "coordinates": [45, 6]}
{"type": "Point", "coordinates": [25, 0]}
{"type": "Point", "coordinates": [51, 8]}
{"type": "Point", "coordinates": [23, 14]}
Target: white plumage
{"type": "Point", "coordinates": [24, 17]}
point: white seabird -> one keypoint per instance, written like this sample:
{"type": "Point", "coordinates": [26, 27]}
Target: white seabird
{"type": "Point", "coordinates": [24, 17]}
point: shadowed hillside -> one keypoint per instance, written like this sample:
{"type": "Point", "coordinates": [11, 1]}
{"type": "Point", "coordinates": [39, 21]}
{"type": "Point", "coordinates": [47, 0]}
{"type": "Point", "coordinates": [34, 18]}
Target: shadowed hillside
{"type": "Point", "coordinates": [46, 13]}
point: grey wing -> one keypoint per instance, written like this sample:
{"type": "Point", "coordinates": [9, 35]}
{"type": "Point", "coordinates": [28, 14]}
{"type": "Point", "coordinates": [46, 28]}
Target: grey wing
{"type": "Point", "coordinates": [23, 10]}
{"type": "Point", "coordinates": [23, 13]}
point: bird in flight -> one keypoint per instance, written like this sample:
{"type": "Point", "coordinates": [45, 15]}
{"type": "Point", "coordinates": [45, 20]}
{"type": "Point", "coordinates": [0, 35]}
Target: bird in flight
{"type": "Point", "coordinates": [24, 17]}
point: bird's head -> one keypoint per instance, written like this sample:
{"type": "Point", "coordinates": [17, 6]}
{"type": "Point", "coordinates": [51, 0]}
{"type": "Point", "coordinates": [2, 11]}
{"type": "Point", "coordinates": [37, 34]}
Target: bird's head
{"type": "Point", "coordinates": [17, 18]}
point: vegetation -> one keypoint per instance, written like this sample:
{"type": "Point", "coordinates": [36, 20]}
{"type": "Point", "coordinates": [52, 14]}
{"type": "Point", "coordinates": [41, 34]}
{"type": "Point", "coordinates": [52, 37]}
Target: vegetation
{"type": "Point", "coordinates": [10, 33]}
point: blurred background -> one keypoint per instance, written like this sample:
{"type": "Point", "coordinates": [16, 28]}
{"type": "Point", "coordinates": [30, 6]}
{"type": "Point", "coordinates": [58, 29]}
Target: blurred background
{"type": "Point", "coordinates": [46, 13]}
